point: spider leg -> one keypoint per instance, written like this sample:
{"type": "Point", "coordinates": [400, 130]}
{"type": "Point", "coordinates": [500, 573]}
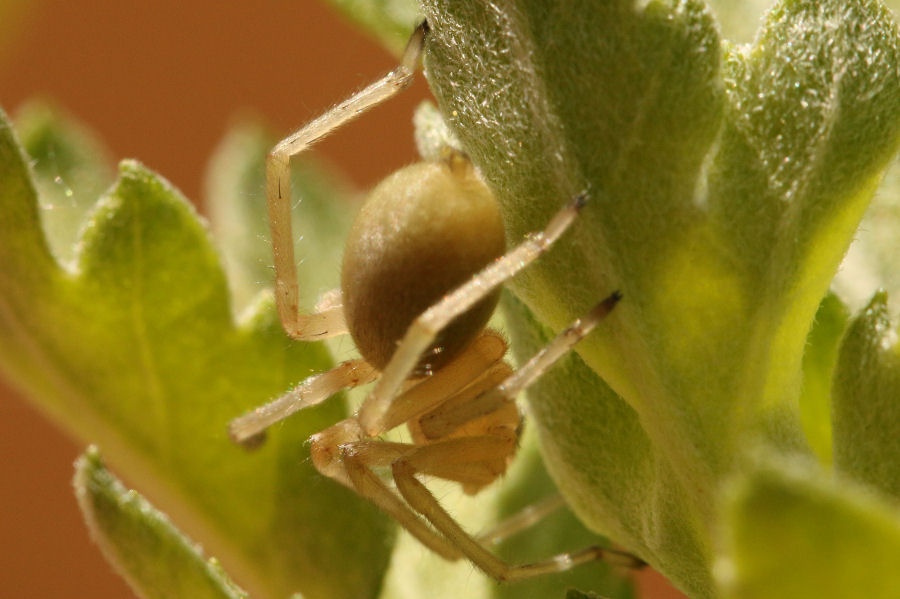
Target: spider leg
{"type": "Point", "coordinates": [426, 326]}
{"type": "Point", "coordinates": [481, 362]}
{"type": "Point", "coordinates": [440, 458]}
{"type": "Point", "coordinates": [481, 358]}
{"type": "Point", "coordinates": [364, 481]}
{"type": "Point", "coordinates": [521, 520]}
{"type": "Point", "coordinates": [466, 460]}
{"type": "Point", "coordinates": [370, 486]}
{"type": "Point", "coordinates": [423, 501]}
{"type": "Point", "coordinates": [314, 390]}
{"type": "Point", "coordinates": [446, 418]}
{"type": "Point", "coordinates": [431, 426]}
{"type": "Point", "coordinates": [278, 192]}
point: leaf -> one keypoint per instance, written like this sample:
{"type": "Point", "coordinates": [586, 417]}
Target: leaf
{"type": "Point", "coordinates": [866, 401]}
{"type": "Point", "coordinates": [818, 367]}
{"type": "Point", "coordinates": [389, 21]}
{"type": "Point", "coordinates": [146, 549]}
{"type": "Point", "coordinates": [739, 19]}
{"type": "Point", "coordinates": [634, 481]}
{"type": "Point", "coordinates": [136, 349]}
{"type": "Point", "coordinates": [725, 182]}
{"type": "Point", "coordinates": [72, 172]}
{"type": "Point", "coordinates": [433, 137]}
{"type": "Point", "coordinates": [873, 261]}
{"type": "Point", "coordinates": [792, 533]}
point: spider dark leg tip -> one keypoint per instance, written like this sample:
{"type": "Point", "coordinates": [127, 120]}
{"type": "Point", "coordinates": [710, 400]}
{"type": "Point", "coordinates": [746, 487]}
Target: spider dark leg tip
{"type": "Point", "coordinates": [579, 201]}
{"type": "Point", "coordinates": [606, 306]}
{"type": "Point", "coordinates": [251, 443]}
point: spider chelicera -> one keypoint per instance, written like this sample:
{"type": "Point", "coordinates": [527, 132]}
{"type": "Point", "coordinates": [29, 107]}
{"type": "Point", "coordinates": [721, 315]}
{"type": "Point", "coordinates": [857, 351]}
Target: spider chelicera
{"type": "Point", "coordinates": [421, 276]}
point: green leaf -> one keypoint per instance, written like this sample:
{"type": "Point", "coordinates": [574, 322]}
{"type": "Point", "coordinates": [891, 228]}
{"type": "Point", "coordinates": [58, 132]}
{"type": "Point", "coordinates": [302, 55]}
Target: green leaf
{"type": "Point", "coordinates": [739, 19]}
{"type": "Point", "coordinates": [818, 365]}
{"type": "Point", "coordinates": [433, 137]}
{"type": "Point", "coordinates": [136, 349]}
{"type": "Point", "coordinates": [726, 183]}
{"type": "Point", "coordinates": [873, 261]}
{"type": "Point", "coordinates": [634, 482]}
{"type": "Point", "coordinates": [791, 532]}
{"type": "Point", "coordinates": [71, 170]}
{"type": "Point", "coordinates": [141, 542]}
{"type": "Point", "coordinates": [388, 21]}
{"type": "Point", "coordinates": [866, 402]}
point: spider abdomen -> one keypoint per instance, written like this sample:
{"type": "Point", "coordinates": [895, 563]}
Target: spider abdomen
{"type": "Point", "coordinates": [422, 232]}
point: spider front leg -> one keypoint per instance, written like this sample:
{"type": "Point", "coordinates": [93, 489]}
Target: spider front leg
{"type": "Point", "coordinates": [521, 520]}
{"type": "Point", "coordinates": [330, 322]}
{"type": "Point", "coordinates": [247, 430]}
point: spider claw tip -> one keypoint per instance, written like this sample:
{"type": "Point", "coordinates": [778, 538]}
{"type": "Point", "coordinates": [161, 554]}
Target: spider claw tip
{"type": "Point", "coordinates": [579, 201]}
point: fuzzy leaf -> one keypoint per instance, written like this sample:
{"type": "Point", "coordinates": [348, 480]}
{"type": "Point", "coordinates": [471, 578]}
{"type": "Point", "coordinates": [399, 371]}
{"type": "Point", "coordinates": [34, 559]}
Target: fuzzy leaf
{"type": "Point", "coordinates": [739, 19]}
{"type": "Point", "coordinates": [726, 184]}
{"type": "Point", "coordinates": [633, 482]}
{"type": "Point", "coordinates": [141, 542]}
{"type": "Point", "coordinates": [873, 261]}
{"type": "Point", "coordinates": [818, 367]}
{"type": "Point", "coordinates": [136, 349]}
{"type": "Point", "coordinates": [433, 137]}
{"type": "Point", "coordinates": [793, 533]}
{"type": "Point", "coordinates": [72, 172]}
{"type": "Point", "coordinates": [388, 21]}
{"type": "Point", "coordinates": [866, 401]}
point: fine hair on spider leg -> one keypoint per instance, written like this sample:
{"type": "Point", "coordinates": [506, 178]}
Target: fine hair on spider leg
{"type": "Point", "coordinates": [422, 270]}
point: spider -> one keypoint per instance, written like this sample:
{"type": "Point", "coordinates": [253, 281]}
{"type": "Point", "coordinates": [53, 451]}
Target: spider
{"type": "Point", "coordinates": [421, 274]}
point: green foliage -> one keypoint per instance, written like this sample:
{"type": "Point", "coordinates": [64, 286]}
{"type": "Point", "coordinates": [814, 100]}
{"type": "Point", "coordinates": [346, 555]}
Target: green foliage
{"type": "Point", "coordinates": [389, 21]}
{"type": "Point", "coordinates": [791, 533]}
{"type": "Point", "coordinates": [866, 401]}
{"type": "Point", "coordinates": [726, 183]}
{"type": "Point", "coordinates": [818, 367]}
{"type": "Point", "coordinates": [76, 171]}
{"type": "Point", "coordinates": [141, 542]}
{"type": "Point", "coordinates": [135, 348]}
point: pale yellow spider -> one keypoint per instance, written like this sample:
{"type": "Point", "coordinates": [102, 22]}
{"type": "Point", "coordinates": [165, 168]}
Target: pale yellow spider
{"type": "Point", "coordinates": [421, 276]}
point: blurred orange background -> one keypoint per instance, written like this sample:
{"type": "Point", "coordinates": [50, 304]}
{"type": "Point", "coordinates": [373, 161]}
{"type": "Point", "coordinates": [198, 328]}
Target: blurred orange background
{"type": "Point", "coordinates": [161, 82]}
